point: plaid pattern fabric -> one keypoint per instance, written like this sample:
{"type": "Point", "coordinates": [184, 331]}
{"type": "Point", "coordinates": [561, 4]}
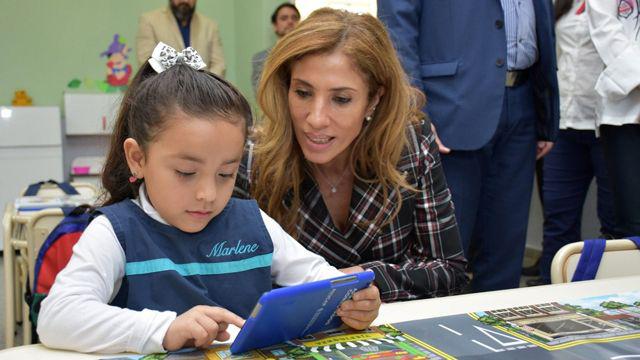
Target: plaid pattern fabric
{"type": "Point", "coordinates": [417, 255]}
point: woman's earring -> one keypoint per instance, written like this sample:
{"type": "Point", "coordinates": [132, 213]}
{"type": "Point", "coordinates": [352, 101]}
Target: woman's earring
{"type": "Point", "coordinates": [369, 117]}
{"type": "Point", "coordinates": [133, 178]}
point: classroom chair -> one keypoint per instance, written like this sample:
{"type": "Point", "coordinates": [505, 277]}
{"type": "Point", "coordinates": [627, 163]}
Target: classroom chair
{"type": "Point", "coordinates": [25, 232]}
{"type": "Point", "coordinates": [619, 258]}
{"type": "Point", "coordinates": [38, 228]}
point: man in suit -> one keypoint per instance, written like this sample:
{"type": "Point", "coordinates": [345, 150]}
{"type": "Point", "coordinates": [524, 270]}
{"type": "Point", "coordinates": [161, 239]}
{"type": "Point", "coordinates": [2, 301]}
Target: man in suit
{"type": "Point", "coordinates": [488, 69]}
{"type": "Point", "coordinates": [284, 19]}
{"type": "Point", "coordinates": [180, 26]}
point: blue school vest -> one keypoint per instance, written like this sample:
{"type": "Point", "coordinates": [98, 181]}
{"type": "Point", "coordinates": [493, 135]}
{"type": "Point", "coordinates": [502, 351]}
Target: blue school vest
{"type": "Point", "coordinates": [227, 264]}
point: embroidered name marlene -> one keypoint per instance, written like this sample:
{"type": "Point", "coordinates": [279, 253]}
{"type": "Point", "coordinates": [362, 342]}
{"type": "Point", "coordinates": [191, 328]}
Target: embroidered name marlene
{"type": "Point", "coordinates": [221, 250]}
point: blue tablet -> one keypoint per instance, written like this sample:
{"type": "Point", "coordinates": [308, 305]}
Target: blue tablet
{"type": "Point", "coordinates": [293, 312]}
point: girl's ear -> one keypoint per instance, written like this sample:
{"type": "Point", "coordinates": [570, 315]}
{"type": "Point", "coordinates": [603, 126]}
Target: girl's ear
{"type": "Point", "coordinates": [135, 157]}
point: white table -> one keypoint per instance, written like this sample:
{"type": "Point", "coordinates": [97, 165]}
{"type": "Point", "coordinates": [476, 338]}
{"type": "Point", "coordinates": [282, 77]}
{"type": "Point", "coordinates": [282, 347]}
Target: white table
{"type": "Point", "coordinates": [419, 309]}
{"type": "Point", "coordinates": [493, 300]}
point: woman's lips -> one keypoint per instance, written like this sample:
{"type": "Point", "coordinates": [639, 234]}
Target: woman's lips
{"type": "Point", "coordinates": [319, 142]}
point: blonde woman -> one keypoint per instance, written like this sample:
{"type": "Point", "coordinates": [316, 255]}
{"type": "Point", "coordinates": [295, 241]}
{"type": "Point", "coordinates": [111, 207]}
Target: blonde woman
{"type": "Point", "coordinates": [345, 163]}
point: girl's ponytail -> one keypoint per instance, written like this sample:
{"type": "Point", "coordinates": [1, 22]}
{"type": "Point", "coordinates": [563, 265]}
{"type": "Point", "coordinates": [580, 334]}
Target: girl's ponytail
{"type": "Point", "coordinates": [115, 173]}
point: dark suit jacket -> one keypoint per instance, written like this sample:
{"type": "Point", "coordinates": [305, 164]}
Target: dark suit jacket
{"type": "Point", "coordinates": [455, 51]}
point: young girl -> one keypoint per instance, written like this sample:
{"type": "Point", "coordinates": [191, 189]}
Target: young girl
{"type": "Point", "coordinates": [172, 260]}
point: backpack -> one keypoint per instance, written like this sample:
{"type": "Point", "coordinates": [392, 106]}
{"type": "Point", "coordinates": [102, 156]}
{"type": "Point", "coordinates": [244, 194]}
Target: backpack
{"type": "Point", "coordinates": [54, 255]}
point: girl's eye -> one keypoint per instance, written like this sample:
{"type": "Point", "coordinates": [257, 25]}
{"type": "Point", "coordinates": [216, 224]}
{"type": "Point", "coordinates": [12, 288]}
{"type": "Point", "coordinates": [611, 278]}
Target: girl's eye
{"type": "Point", "coordinates": [303, 93]}
{"type": "Point", "coordinates": [226, 175]}
{"type": "Point", "coordinates": [342, 100]}
{"type": "Point", "coordinates": [184, 173]}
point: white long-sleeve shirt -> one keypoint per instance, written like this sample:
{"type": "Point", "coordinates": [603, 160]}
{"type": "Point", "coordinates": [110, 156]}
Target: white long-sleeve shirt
{"type": "Point", "coordinates": [579, 66]}
{"type": "Point", "coordinates": [615, 31]}
{"type": "Point", "coordinates": [76, 315]}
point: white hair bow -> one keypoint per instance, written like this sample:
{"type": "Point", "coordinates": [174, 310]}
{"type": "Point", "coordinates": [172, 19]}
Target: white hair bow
{"type": "Point", "coordinates": [164, 57]}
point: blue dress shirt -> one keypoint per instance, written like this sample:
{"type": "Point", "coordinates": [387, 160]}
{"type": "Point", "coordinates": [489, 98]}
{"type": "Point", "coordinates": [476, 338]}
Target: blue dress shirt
{"type": "Point", "coordinates": [520, 26]}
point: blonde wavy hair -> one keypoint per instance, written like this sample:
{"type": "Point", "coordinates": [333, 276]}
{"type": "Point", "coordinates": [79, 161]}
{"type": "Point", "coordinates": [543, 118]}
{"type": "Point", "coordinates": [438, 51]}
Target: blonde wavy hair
{"type": "Point", "coordinates": [279, 166]}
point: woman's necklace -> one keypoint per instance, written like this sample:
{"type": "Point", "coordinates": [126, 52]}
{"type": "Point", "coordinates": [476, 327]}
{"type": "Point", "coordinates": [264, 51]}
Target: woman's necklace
{"type": "Point", "coordinates": [333, 187]}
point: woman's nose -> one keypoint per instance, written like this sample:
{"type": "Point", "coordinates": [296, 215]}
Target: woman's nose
{"type": "Point", "coordinates": [318, 116]}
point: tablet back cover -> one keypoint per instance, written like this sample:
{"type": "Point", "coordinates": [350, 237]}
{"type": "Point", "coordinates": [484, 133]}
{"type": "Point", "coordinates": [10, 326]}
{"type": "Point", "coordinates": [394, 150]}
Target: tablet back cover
{"type": "Point", "coordinates": [293, 312]}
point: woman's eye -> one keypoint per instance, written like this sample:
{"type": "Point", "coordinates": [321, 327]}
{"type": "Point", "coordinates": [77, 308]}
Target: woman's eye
{"type": "Point", "coordinates": [226, 175]}
{"type": "Point", "coordinates": [303, 93]}
{"type": "Point", "coordinates": [342, 100]}
{"type": "Point", "coordinates": [184, 173]}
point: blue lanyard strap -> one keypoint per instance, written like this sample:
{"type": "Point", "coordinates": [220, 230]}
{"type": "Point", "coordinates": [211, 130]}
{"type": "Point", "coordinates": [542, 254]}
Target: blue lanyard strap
{"type": "Point", "coordinates": [589, 260]}
{"type": "Point", "coordinates": [591, 257]}
{"type": "Point", "coordinates": [33, 189]}
{"type": "Point", "coordinates": [636, 240]}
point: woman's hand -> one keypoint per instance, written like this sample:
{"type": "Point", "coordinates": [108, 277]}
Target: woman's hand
{"type": "Point", "coordinates": [443, 149]}
{"type": "Point", "coordinates": [199, 327]}
{"type": "Point", "coordinates": [362, 309]}
{"type": "Point", "coordinates": [543, 148]}
{"type": "Point", "coordinates": [352, 270]}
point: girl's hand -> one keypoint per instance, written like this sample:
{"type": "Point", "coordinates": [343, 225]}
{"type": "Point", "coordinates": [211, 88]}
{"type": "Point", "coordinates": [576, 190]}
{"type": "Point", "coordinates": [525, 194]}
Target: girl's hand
{"type": "Point", "coordinates": [362, 309]}
{"type": "Point", "coordinates": [199, 327]}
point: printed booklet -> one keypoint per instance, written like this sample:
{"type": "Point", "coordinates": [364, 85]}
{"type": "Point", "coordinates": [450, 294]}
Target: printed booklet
{"type": "Point", "coordinates": [601, 327]}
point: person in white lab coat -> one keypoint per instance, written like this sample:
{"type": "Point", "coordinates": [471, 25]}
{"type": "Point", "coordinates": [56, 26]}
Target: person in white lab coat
{"type": "Point", "coordinates": [614, 26]}
{"type": "Point", "coordinates": [577, 156]}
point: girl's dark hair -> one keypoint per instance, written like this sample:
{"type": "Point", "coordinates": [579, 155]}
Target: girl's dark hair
{"type": "Point", "coordinates": [561, 8]}
{"type": "Point", "coordinates": [153, 98]}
